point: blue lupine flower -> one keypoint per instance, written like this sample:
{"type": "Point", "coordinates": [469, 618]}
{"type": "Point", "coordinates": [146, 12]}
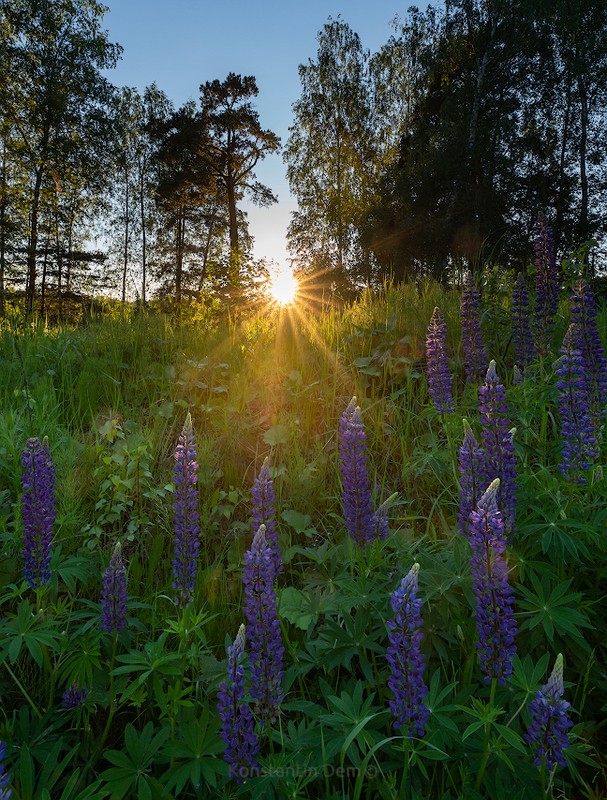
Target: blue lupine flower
{"type": "Point", "coordinates": [475, 357]}
{"type": "Point", "coordinates": [114, 594]}
{"type": "Point", "coordinates": [263, 627]}
{"type": "Point", "coordinates": [550, 720]}
{"type": "Point", "coordinates": [186, 520]}
{"type": "Point", "coordinates": [73, 697]}
{"type": "Point", "coordinates": [406, 659]}
{"type": "Point", "coordinates": [524, 349]}
{"type": "Point", "coordinates": [38, 511]}
{"type": "Point", "coordinates": [237, 723]}
{"type": "Point", "coordinates": [472, 480]}
{"type": "Point", "coordinates": [440, 381]}
{"type": "Point", "coordinates": [583, 313]}
{"type": "Point", "coordinates": [356, 487]}
{"type": "Point", "coordinates": [494, 613]}
{"type": "Point", "coordinates": [5, 791]}
{"type": "Point", "coordinates": [264, 512]}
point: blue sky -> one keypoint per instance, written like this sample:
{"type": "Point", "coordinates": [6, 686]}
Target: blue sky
{"type": "Point", "coordinates": [180, 44]}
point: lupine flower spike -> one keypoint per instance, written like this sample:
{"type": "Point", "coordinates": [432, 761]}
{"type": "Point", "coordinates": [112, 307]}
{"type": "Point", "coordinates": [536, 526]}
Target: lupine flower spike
{"type": "Point", "coordinates": [524, 349]}
{"type": "Point", "coordinates": [550, 721]}
{"type": "Point", "coordinates": [497, 436]}
{"type": "Point", "coordinates": [263, 626]}
{"type": "Point", "coordinates": [583, 313]}
{"type": "Point", "coordinates": [356, 487]}
{"type": "Point", "coordinates": [494, 614]}
{"type": "Point", "coordinates": [472, 482]}
{"type": "Point", "coordinates": [73, 697]}
{"type": "Point", "coordinates": [475, 357]}
{"type": "Point", "coordinates": [578, 424]}
{"type": "Point", "coordinates": [186, 520]}
{"type": "Point", "coordinates": [547, 278]}
{"type": "Point", "coordinates": [38, 511]}
{"type": "Point", "coordinates": [5, 791]}
{"type": "Point", "coordinates": [264, 512]}
{"type": "Point", "coordinates": [406, 659]}
{"type": "Point", "coordinates": [114, 594]}
{"type": "Point", "coordinates": [237, 723]}
{"type": "Point", "coordinates": [440, 381]}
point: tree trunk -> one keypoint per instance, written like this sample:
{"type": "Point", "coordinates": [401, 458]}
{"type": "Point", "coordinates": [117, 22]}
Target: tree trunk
{"type": "Point", "coordinates": [583, 220]}
{"type": "Point", "coordinates": [30, 289]}
{"type": "Point", "coordinates": [143, 236]}
{"type": "Point", "coordinates": [125, 255]}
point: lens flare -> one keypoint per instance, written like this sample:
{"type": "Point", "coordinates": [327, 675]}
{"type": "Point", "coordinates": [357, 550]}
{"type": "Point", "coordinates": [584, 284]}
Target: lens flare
{"type": "Point", "coordinates": [283, 287]}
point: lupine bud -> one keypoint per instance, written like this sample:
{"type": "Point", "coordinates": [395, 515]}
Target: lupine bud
{"type": "Point", "coordinates": [406, 659]}
{"type": "Point", "coordinates": [114, 594]}
{"type": "Point", "coordinates": [517, 375]}
{"type": "Point", "coordinates": [38, 511]}
{"type": "Point", "coordinates": [550, 720]}
{"type": "Point", "coordinates": [494, 614]}
{"type": "Point", "coordinates": [264, 512]}
{"type": "Point", "coordinates": [440, 381]}
{"type": "Point", "coordinates": [583, 314]}
{"type": "Point", "coordinates": [5, 791]}
{"type": "Point", "coordinates": [73, 697]}
{"type": "Point", "coordinates": [263, 626]}
{"type": "Point", "coordinates": [237, 723]}
{"type": "Point", "coordinates": [547, 281]}
{"type": "Point", "coordinates": [186, 520]}
{"type": "Point", "coordinates": [524, 349]}
{"type": "Point", "coordinates": [381, 522]}
{"type": "Point", "coordinates": [356, 487]}
{"type": "Point", "coordinates": [578, 425]}
{"type": "Point", "coordinates": [472, 481]}
{"type": "Point", "coordinates": [475, 357]}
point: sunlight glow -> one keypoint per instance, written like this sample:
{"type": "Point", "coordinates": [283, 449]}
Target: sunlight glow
{"type": "Point", "coordinates": [283, 286]}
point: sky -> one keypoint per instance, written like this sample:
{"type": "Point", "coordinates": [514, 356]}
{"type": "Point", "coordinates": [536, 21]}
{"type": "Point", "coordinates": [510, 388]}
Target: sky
{"type": "Point", "coordinates": [180, 44]}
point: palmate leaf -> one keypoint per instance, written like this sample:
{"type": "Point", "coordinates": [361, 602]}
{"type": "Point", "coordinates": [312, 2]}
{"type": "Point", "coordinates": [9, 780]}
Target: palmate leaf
{"type": "Point", "coordinates": [555, 610]}
{"type": "Point", "coordinates": [131, 770]}
{"type": "Point", "coordinates": [30, 629]}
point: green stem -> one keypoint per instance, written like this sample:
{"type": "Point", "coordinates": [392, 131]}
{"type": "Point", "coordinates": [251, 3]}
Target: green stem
{"type": "Point", "coordinates": [404, 783]}
{"type": "Point", "coordinates": [486, 750]}
{"type": "Point", "coordinates": [23, 691]}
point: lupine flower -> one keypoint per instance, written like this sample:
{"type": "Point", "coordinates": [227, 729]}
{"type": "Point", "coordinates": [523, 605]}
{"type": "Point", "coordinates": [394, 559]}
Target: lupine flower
{"type": "Point", "coordinates": [356, 487]}
{"type": "Point", "coordinates": [237, 723]}
{"type": "Point", "coordinates": [260, 608]}
{"type": "Point", "coordinates": [524, 349]}
{"type": "Point", "coordinates": [186, 522]}
{"type": "Point", "coordinates": [113, 594]}
{"type": "Point", "coordinates": [495, 624]}
{"type": "Point", "coordinates": [475, 357]}
{"type": "Point", "coordinates": [38, 511]}
{"type": "Point", "coordinates": [583, 313]}
{"type": "Point", "coordinates": [550, 720]}
{"type": "Point", "coordinates": [497, 436]}
{"type": "Point", "coordinates": [264, 512]}
{"type": "Point", "coordinates": [517, 375]}
{"type": "Point", "coordinates": [440, 381]}
{"type": "Point", "coordinates": [406, 659]}
{"type": "Point", "coordinates": [578, 425]}
{"type": "Point", "coordinates": [73, 697]}
{"type": "Point", "coordinates": [381, 521]}
{"type": "Point", "coordinates": [5, 791]}
{"type": "Point", "coordinates": [472, 482]}
{"type": "Point", "coordinates": [547, 281]}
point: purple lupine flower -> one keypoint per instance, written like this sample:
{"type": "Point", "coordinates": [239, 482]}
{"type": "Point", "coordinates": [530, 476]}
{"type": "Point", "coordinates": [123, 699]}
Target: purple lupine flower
{"type": "Point", "coordinates": [550, 720]}
{"type": "Point", "coordinates": [440, 381]}
{"type": "Point", "coordinates": [495, 624]}
{"type": "Point", "coordinates": [583, 313]}
{"type": "Point", "coordinates": [381, 521]}
{"type": "Point", "coordinates": [356, 487]}
{"type": "Point", "coordinates": [475, 357]}
{"type": "Point", "coordinates": [547, 282]}
{"type": "Point", "coordinates": [5, 791]}
{"type": "Point", "coordinates": [237, 723]}
{"type": "Point", "coordinates": [524, 349]}
{"type": "Point", "coordinates": [264, 512]}
{"type": "Point", "coordinates": [263, 627]}
{"type": "Point", "coordinates": [186, 521]}
{"type": "Point", "coordinates": [578, 425]}
{"type": "Point", "coordinates": [472, 482]}
{"type": "Point", "coordinates": [38, 511]}
{"type": "Point", "coordinates": [406, 659]}
{"type": "Point", "coordinates": [497, 435]}
{"type": "Point", "coordinates": [73, 697]}
{"type": "Point", "coordinates": [113, 594]}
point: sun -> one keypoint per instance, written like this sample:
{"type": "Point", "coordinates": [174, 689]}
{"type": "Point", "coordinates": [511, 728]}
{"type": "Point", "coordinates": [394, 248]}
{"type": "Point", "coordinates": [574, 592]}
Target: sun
{"type": "Point", "coordinates": [283, 286]}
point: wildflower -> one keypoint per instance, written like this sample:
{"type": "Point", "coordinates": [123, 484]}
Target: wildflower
{"type": "Point", "coordinates": [440, 382]}
{"type": "Point", "coordinates": [495, 624]}
{"type": "Point", "coordinates": [237, 724]}
{"type": "Point", "coordinates": [547, 281]}
{"type": "Point", "coordinates": [497, 438]}
{"type": "Point", "coordinates": [113, 594]}
{"type": "Point", "coordinates": [583, 313]}
{"type": "Point", "coordinates": [356, 488]}
{"type": "Point", "coordinates": [264, 512]}
{"type": "Point", "coordinates": [185, 508]}
{"type": "Point", "coordinates": [73, 697]}
{"type": "Point", "coordinates": [549, 720]}
{"type": "Point", "coordinates": [38, 511]}
{"type": "Point", "coordinates": [475, 357]}
{"type": "Point", "coordinates": [406, 659]}
{"type": "Point", "coordinates": [472, 481]}
{"type": "Point", "coordinates": [260, 608]}
{"type": "Point", "coordinates": [524, 349]}
{"type": "Point", "coordinates": [381, 522]}
{"type": "Point", "coordinates": [5, 791]}
{"type": "Point", "coordinates": [574, 403]}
